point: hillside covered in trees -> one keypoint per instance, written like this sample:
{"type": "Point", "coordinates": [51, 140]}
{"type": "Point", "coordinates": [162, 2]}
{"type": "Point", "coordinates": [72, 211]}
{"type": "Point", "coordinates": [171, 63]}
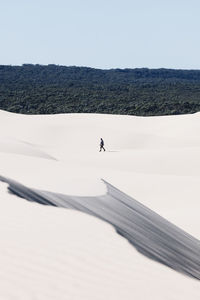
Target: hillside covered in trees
{"type": "Point", "coordinates": [38, 89]}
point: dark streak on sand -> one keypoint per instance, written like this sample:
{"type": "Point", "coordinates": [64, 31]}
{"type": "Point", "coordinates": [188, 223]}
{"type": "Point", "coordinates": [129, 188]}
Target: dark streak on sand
{"type": "Point", "coordinates": [149, 233]}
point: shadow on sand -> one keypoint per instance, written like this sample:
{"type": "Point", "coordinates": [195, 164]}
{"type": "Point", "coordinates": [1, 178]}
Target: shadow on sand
{"type": "Point", "coordinates": [148, 232]}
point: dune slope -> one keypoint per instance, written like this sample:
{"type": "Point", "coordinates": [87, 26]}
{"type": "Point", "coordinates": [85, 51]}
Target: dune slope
{"type": "Point", "coordinates": [48, 252]}
{"type": "Point", "coordinates": [151, 234]}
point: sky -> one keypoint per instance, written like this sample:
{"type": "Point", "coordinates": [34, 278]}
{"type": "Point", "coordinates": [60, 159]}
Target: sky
{"type": "Point", "coordinates": [101, 34]}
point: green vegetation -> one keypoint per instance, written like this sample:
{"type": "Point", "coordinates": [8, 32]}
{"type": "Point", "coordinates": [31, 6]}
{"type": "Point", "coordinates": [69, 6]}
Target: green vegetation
{"type": "Point", "coordinates": [37, 89]}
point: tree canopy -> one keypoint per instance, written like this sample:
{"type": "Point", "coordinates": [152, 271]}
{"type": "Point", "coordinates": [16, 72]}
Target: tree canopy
{"type": "Point", "coordinates": [38, 89]}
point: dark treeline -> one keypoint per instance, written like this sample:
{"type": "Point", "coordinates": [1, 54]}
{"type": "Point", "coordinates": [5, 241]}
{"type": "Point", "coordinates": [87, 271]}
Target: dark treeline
{"type": "Point", "coordinates": [38, 89]}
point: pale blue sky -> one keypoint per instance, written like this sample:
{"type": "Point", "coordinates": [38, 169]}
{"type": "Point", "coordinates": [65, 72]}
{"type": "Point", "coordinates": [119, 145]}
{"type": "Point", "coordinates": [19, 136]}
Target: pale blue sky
{"type": "Point", "coordinates": [101, 33]}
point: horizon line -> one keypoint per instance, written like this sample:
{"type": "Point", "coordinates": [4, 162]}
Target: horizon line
{"type": "Point", "coordinates": [95, 68]}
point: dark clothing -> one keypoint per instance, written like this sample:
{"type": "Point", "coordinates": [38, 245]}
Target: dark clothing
{"type": "Point", "coordinates": [102, 145]}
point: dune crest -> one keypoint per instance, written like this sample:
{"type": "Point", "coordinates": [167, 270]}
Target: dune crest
{"type": "Point", "coordinates": [48, 252]}
{"type": "Point", "coordinates": [149, 233]}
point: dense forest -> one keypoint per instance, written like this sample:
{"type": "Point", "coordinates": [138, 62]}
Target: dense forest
{"type": "Point", "coordinates": [38, 89]}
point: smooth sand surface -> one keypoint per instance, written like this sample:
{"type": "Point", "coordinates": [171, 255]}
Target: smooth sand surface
{"type": "Point", "coordinates": [54, 253]}
{"type": "Point", "coordinates": [150, 234]}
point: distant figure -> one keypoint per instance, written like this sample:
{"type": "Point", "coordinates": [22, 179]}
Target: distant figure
{"type": "Point", "coordinates": [102, 145]}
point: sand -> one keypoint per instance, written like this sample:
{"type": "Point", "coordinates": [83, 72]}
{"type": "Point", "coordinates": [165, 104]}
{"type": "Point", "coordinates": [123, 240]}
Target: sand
{"type": "Point", "coordinates": [56, 253]}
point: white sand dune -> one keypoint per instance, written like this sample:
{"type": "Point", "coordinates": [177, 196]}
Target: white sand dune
{"type": "Point", "coordinates": [149, 233]}
{"type": "Point", "coordinates": [53, 253]}
{"type": "Point", "coordinates": [22, 148]}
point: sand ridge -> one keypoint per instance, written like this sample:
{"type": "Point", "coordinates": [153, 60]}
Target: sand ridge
{"type": "Point", "coordinates": [154, 160]}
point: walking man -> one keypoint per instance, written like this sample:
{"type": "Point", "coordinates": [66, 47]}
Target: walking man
{"type": "Point", "coordinates": [102, 145]}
